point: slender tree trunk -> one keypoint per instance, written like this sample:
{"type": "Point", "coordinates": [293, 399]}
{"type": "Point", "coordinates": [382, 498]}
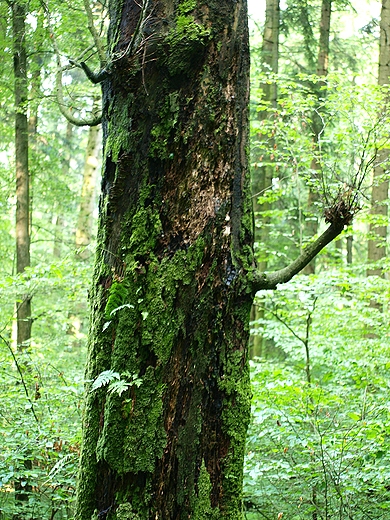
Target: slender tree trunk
{"type": "Point", "coordinates": [380, 188]}
{"type": "Point", "coordinates": [88, 192]}
{"type": "Point", "coordinates": [21, 168]}
{"type": "Point", "coordinates": [85, 222]}
{"type": "Point", "coordinates": [58, 220]}
{"type": "Point", "coordinates": [349, 249]}
{"type": "Point", "coordinates": [22, 224]}
{"type": "Point", "coordinates": [35, 66]}
{"type": "Point", "coordinates": [171, 295]}
{"type": "Point", "coordinates": [322, 71]}
{"type": "Point", "coordinates": [262, 176]}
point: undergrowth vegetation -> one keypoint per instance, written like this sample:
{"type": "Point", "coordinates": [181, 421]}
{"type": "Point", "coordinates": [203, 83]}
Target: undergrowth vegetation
{"type": "Point", "coordinates": [319, 441]}
{"type": "Point", "coordinates": [41, 391]}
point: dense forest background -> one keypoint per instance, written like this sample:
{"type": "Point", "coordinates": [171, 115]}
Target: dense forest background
{"type": "Point", "coordinates": [318, 444]}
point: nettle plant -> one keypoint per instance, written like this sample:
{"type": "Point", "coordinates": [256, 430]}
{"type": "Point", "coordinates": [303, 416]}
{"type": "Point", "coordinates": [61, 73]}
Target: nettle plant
{"type": "Point", "coordinates": [318, 445]}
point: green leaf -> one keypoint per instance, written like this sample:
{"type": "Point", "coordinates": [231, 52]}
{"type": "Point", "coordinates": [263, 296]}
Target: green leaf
{"type": "Point", "coordinates": [104, 379]}
{"type": "Point", "coordinates": [355, 416]}
{"type": "Point", "coordinates": [118, 387]}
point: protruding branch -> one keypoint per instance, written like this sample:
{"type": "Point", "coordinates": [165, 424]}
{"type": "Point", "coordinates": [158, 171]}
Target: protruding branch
{"type": "Point", "coordinates": [94, 77]}
{"type": "Point", "coordinates": [96, 37]}
{"type": "Point", "coordinates": [94, 119]}
{"type": "Point", "coordinates": [272, 280]}
{"type": "Point", "coordinates": [66, 112]}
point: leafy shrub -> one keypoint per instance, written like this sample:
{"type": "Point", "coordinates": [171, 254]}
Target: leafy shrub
{"type": "Point", "coordinates": [319, 442]}
{"type": "Point", "coordinates": [41, 389]}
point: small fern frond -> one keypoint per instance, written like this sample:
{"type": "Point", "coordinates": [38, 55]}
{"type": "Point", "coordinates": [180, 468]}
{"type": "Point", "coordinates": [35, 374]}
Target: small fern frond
{"type": "Point", "coordinates": [104, 379]}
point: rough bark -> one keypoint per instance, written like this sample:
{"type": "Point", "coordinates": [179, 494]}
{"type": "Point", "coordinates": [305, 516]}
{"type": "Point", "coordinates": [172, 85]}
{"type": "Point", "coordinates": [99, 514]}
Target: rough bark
{"type": "Point", "coordinates": [174, 244]}
{"type": "Point", "coordinates": [380, 188]}
{"type": "Point", "coordinates": [22, 224]}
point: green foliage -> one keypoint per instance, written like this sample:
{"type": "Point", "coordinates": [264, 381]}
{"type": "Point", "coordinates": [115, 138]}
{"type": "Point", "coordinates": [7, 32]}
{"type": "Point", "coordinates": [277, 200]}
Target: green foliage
{"type": "Point", "coordinates": [116, 385]}
{"type": "Point", "coordinates": [40, 393]}
{"type": "Point", "coordinates": [105, 378]}
{"type": "Point", "coordinates": [116, 299]}
{"type": "Point", "coordinates": [321, 445]}
{"type": "Point", "coordinates": [354, 126]}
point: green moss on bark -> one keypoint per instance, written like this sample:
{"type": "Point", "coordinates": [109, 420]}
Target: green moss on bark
{"type": "Point", "coordinates": [118, 139]}
{"type": "Point", "coordinates": [146, 228]}
{"type": "Point", "coordinates": [187, 6]}
{"type": "Point", "coordinates": [133, 436]}
{"type": "Point", "coordinates": [184, 42]}
{"type": "Point", "coordinates": [125, 512]}
{"type": "Point", "coordinates": [174, 251]}
{"type": "Point", "coordinates": [202, 506]}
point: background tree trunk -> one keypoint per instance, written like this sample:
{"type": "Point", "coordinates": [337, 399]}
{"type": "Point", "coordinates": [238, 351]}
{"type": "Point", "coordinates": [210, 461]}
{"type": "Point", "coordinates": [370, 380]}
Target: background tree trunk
{"type": "Point", "coordinates": [22, 218]}
{"type": "Point", "coordinates": [58, 209]}
{"type": "Point", "coordinates": [262, 176]}
{"type": "Point", "coordinates": [317, 124]}
{"type": "Point", "coordinates": [380, 188]}
{"type": "Point", "coordinates": [22, 226]}
{"type": "Point", "coordinates": [88, 192]}
{"type": "Point", "coordinates": [171, 294]}
{"type": "Point", "coordinates": [85, 220]}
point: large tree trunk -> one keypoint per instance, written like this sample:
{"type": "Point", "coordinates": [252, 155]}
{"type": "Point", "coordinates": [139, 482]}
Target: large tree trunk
{"type": "Point", "coordinates": [380, 188]}
{"type": "Point", "coordinates": [171, 295]}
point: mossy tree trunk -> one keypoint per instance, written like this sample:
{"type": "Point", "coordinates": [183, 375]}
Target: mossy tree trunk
{"type": "Point", "coordinates": [171, 295]}
{"type": "Point", "coordinates": [174, 276]}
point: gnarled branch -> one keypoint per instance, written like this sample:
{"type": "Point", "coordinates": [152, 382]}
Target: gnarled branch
{"type": "Point", "coordinates": [94, 119]}
{"type": "Point", "coordinates": [66, 112]}
{"type": "Point", "coordinates": [272, 280]}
